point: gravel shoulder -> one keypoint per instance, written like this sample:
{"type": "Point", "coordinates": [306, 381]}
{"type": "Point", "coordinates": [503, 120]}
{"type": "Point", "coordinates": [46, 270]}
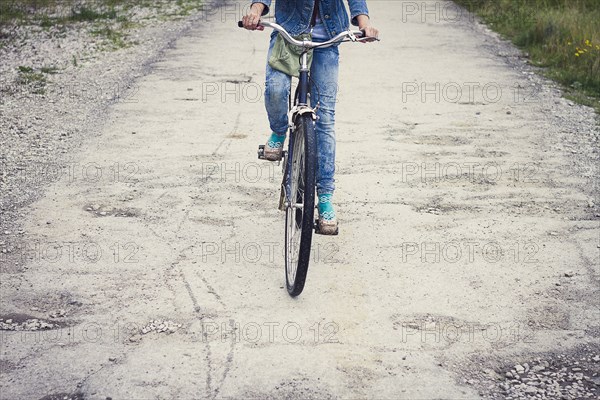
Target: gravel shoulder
{"type": "Point", "coordinates": [150, 267]}
{"type": "Point", "coordinates": [56, 84]}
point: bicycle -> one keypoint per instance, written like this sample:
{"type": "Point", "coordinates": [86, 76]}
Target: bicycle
{"type": "Point", "coordinates": [297, 196]}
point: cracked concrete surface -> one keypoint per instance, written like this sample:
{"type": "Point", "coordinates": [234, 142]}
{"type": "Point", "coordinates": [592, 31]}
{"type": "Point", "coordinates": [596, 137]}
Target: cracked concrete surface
{"type": "Point", "coordinates": [466, 232]}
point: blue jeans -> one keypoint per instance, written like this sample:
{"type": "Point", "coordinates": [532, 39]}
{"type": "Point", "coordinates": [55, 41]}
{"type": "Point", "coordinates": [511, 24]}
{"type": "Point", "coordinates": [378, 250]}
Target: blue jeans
{"type": "Point", "coordinates": [324, 75]}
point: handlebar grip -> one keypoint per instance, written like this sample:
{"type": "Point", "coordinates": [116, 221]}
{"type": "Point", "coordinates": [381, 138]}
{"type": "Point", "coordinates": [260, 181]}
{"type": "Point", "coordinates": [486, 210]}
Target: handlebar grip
{"type": "Point", "coordinates": [240, 24]}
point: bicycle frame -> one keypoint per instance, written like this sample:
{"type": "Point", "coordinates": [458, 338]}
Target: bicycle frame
{"type": "Point", "coordinates": [298, 191]}
{"type": "Point", "coordinates": [300, 107]}
{"type": "Point", "coordinates": [303, 83]}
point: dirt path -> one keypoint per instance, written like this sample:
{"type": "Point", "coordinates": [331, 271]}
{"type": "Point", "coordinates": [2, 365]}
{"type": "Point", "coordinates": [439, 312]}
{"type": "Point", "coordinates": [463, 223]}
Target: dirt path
{"type": "Point", "coordinates": [469, 244]}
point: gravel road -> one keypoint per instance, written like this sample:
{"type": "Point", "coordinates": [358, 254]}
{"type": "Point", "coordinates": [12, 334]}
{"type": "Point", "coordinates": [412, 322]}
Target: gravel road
{"type": "Point", "coordinates": [141, 245]}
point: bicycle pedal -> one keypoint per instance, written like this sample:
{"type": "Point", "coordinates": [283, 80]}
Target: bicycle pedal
{"type": "Point", "coordinates": [282, 159]}
{"type": "Point", "coordinates": [261, 152]}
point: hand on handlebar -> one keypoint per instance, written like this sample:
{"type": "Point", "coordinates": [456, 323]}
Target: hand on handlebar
{"type": "Point", "coordinates": [251, 20]}
{"type": "Point", "coordinates": [371, 34]}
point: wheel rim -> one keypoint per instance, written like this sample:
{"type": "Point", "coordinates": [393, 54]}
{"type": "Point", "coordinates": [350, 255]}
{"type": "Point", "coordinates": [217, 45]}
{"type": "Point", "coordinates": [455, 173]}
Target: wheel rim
{"type": "Point", "coordinates": [295, 208]}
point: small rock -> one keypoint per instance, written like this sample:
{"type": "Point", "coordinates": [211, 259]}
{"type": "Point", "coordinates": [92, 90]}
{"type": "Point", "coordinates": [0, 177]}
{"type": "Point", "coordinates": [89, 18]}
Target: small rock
{"type": "Point", "coordinates": [569, 274]}
{"type": "Point", "coordinates": [519, 368]}
{"type": "Point", "coordinates": [135, 338]}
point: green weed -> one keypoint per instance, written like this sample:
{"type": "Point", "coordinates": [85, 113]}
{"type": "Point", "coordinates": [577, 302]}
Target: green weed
{"type": "Point", "coordinates": [562, 36]}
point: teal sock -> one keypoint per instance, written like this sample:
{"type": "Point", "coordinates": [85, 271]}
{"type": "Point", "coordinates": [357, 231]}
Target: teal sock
{"type": "Point", "coordinates": [326, 211]}
{"type": "Point", "coordinates": [276, 141]}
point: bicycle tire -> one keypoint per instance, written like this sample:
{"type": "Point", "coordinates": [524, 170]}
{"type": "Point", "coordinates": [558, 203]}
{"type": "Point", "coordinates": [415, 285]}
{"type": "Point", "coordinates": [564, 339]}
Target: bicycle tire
{"type": "Point", "coordinates": [303, 164]}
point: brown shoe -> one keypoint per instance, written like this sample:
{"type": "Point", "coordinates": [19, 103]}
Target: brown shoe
{"type": "Point", "coordinates": [327, 227]}
{"type": "Point", "coordinates": [273, 150]}
{"type": "Point", "coordinates": [327, 223]}
{"type": "Point", "coordinates": [273, 153]}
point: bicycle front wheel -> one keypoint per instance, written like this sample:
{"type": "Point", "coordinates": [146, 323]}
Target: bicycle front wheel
{"type": "Point", "coordinates": [300, 209]}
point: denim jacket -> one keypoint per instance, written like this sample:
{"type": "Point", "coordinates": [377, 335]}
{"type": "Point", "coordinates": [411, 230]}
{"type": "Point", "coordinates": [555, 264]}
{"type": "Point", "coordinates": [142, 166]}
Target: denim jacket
{"type": "Point", "coordinates": [295, 15]}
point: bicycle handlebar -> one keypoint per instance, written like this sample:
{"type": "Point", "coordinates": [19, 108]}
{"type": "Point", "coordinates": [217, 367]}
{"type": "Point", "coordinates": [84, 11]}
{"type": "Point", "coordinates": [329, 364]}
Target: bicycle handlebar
{"type": "Point", "coordinates": [353, 36]}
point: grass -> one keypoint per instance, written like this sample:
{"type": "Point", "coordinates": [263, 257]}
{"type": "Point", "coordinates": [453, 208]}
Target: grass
{"type": "Point", "coordinates": [49, 13]}
{"type": "Point", "coordinates": [109, 18]}
{"type": "Point", "coordinates": [41, 11]}
{"type": "Point", "coordinates": [36, 80]}
{"type": "Point", "coordinates": [49, 70]}
{"type": "Point", "coordinates": [25, 11]}
{"type": "Point", "coordinates": [562, 36]}
{"type": "Point", "coordinates": [115, 37]}
{"type": "Point", "coordinates": [88, 14]}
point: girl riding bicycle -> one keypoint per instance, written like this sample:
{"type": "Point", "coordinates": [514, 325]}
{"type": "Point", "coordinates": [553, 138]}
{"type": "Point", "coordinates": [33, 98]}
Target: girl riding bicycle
{"type": "Point", "coordinates": [323, 19]}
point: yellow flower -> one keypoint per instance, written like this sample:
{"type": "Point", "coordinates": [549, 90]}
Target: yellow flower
{"type": "Point", "coordinates": [569, 43]}
{"type": "Point", "coordinates": [576, 54]}
{"type": "Point", "coordinates": [587, 42]}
